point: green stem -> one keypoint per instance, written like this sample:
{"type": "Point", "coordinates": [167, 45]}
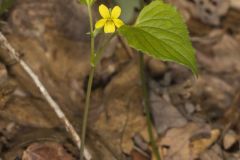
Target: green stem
{"type": "Point", "coordinates": [89, 87]}
{"type": "Point", "coordinates": [93, 55]}
{"type": "Point", "coordinates": [147, 101]}
{"type": "Point", "coordinates": [147, 106]}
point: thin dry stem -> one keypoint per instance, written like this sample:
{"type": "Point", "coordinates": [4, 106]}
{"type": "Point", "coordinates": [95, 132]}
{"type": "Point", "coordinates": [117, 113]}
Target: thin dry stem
{"type": "Point", "coordinates": [5, 44]}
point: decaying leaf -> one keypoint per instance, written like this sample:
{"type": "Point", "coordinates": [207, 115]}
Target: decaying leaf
{"type": "Point", "coordinates": [229, 139]}
{"type": "Point", "coordinates": [165, 115]}
{"type": "Point", "coordinates": [44, 151]}
{"type": "Point", "coordinates": [22, 111]}
{"type": "Point", "coordinates": [200, 144]}
{"type": "Point", "coordinates": [178, 144]}
{"type": "Point", "coordinates": [7, 86]}
{"type": "Point", "coordinates": [124, 116]}
{"type": "Point", "coordinates": [137, 156]}
{"type": "Point", "coordinates": [208, 11]}
{"type": "Point", "coordinates": [214, 153]}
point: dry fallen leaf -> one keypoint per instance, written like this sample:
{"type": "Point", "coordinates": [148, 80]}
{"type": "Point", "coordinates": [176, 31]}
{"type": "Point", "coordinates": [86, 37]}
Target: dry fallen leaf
{"type": "Point", "coordinates": [178, 143]}
{"type": "Point", "coordinates": [137, 156]}
{"type": "Point", "coordinates": [223, 56]}
{"type": "Point", "coordinates": [45, 151]}
{"type": "Point", "coordinates": [209, 11]}
{"type": "Point", "coordinates": [215, 153]}
{"type": "Point", "coordinates": [199, 145]}
{"type": "Point", "coordinates": [124, 115]}
{"type": "Point", "coordinates": [156, 68]}
{"type": "Point", "coordinates": [229, 139]}
{"type": "Point", "coordinates": [165, 115]}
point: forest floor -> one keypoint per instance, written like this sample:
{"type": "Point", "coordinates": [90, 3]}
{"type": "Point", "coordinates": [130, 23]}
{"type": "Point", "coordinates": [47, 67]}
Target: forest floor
{"type": "Point", "coordinates": [193, 118]}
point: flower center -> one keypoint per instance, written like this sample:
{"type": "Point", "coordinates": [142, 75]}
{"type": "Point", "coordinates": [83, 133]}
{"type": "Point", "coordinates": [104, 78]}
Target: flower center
{"type": "Point", "coordinates": [109, 20]}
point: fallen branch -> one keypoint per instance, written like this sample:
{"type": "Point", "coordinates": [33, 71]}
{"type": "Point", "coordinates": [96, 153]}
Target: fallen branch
{"type": "Point", "coordinates": [5, 45]}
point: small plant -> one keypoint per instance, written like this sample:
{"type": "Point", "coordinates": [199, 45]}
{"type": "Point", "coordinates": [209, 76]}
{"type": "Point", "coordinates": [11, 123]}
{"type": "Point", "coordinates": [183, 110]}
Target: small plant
{"type": "Point", "coordinates": [159, 32]}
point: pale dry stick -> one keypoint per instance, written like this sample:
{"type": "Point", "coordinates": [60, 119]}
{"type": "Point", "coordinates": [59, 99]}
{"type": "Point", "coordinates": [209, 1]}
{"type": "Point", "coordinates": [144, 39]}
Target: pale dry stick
{"type": "Point", "coordinates": [5, 44]}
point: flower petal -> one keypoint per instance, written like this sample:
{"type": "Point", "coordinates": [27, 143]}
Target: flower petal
{"type": "Point", "coordinates": [100, 23]}
{"type": "Point", "coordinates": [104, 11]}
{"type": "Point", "coordinates": [118, 22]}
{"type": "Point", "coordinates": [116, 12]}
{"type": "Point", "coordinates": [109, 27]}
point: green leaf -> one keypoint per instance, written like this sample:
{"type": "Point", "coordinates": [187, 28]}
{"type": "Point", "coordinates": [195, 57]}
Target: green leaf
{"type": "Point", "coordinates": [5, 5]}
{"type": "Point", "coordinates": [161, 33]}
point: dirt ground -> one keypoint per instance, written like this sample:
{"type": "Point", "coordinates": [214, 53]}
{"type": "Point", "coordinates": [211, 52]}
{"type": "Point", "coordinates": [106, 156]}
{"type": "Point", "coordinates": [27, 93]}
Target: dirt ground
{"type": "Point", "coordinates": [194, 118]}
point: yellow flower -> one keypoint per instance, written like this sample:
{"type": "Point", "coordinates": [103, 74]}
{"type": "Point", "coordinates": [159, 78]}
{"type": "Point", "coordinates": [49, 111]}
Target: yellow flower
{"type": "Point", "coordinates": [110, 19]}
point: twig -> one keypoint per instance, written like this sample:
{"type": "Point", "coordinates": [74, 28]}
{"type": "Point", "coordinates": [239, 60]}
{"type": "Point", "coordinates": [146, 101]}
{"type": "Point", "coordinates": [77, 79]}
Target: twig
{"type": "Point", "coordinates": [5, 44]}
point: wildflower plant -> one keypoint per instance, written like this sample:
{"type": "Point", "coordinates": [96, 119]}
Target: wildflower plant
{"type": "Point", "coordinates": [159, 32]}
